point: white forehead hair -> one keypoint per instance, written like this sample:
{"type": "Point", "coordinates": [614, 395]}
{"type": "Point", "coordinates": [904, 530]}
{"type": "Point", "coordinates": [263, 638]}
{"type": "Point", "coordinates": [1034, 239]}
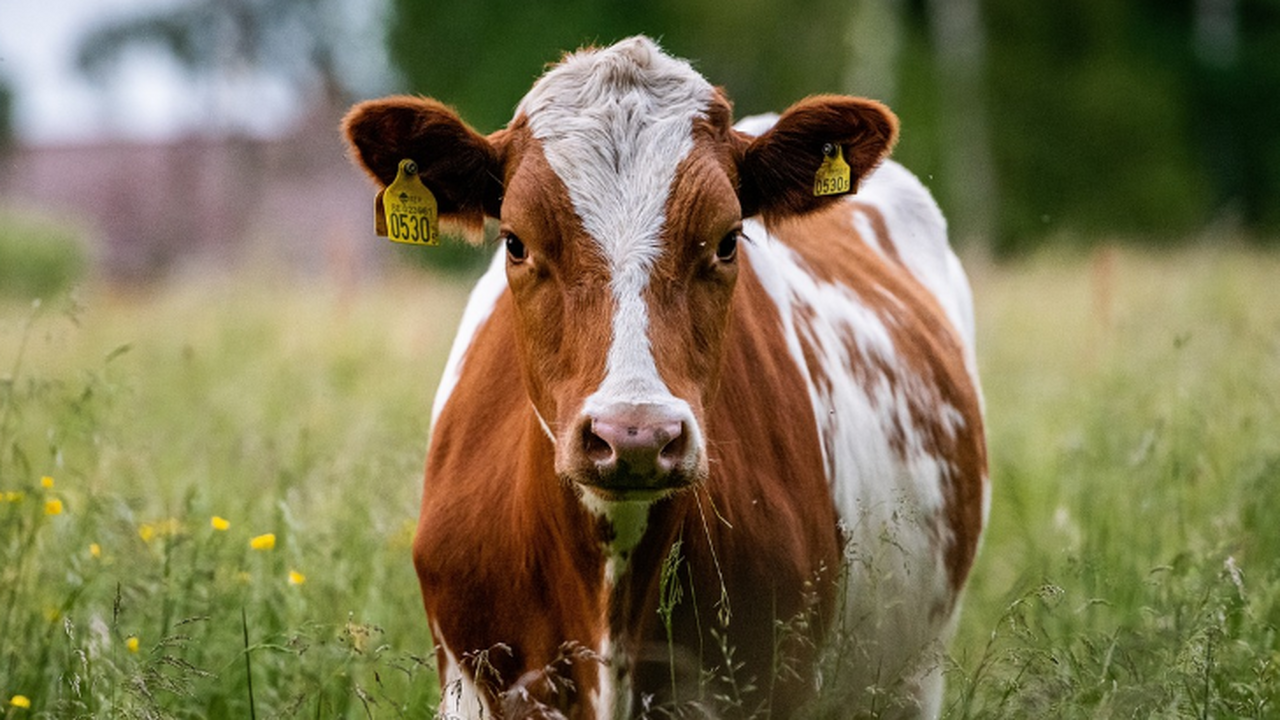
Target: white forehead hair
{"type": "Point", "coordinates": [614, 124]}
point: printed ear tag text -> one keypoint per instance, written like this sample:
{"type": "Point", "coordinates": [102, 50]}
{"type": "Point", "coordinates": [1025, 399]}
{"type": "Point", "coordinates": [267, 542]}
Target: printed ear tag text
{"type": "Point", "coordinates": [833, 176]}
{"type": "Point", "coordinates": [406, 212]}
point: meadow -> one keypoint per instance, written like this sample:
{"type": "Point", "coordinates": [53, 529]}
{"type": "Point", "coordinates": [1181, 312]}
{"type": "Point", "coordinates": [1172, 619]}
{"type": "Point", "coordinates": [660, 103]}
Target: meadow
{"type": "Point", "coordinates": [208, 490]}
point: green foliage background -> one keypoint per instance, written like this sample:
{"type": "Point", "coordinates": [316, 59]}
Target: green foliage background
{"type": "Point", "coordinates": [39, 256]}
{"type": "Point", "coordinates": [1105, 118]}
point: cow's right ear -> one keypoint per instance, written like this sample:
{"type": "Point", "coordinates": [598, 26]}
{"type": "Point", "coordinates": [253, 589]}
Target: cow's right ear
{"type": "Point", "coordinates": [777, 169]}
{"type": "Point", "coordinates": [461, 167]}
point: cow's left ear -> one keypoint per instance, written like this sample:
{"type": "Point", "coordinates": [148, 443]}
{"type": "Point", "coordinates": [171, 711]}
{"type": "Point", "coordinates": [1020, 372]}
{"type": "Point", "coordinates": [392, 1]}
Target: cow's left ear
{"type": "Point", "coordinates": [777, 169]}
{"type": "Point", "coordinates": [461, 167]}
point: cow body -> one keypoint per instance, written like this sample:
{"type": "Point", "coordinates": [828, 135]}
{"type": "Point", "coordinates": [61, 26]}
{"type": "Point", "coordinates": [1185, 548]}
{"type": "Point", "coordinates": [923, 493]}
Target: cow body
{"type": "Point", "coordinates": [669, 473]}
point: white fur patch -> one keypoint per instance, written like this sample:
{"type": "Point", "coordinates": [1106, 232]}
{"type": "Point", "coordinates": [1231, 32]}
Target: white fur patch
{"type": "Point", "coordinates": [628, 520]}
{"type": "Point", "coordinates": [612, 700]}
{"type": "Point", "coordinates": [614, 125]}
{"type": "Point", "coordinates": [479, 307]}
{"type": "Point", "coordinates": [756, 125]}
{"type": "Point", "coordinates": [887, 487]}
{"type": "Point", "coordinates": [918, 232]}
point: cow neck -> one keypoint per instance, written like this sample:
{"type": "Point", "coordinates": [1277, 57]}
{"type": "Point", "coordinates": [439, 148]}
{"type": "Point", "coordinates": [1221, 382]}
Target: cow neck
{"type": "Point", "coordinates": [629, 595]}
{"type": "Point", "coordinates": [619, 564]}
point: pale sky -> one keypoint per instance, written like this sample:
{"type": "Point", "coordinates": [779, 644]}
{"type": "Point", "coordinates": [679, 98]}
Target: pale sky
{"type": "Point", "coordinates": [150, 97]}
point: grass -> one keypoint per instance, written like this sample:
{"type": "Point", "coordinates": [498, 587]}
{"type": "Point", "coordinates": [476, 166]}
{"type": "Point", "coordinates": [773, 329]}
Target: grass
{"type": "Point", "coordinates": [1131, 568]}
{"type": "Point", "coordinates": [294, 410]}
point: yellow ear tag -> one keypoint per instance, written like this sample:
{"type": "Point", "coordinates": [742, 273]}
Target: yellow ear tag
{"type": "Point", "coordinates": [405, 211]}
{"type": "Point", "coordinates": [833, 174]}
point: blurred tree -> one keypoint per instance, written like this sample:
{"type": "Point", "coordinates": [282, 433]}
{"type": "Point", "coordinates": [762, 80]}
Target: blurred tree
{"type": "Point", "coordinates": [1235, 107]}
{"type": "Point", "coordinates": [483, 57]}
{"type": "Point", "coordinates": [310, 44]}
{"type": "Point", "coordinates": [40, 257]}
{"type": "Point", "coordinates": [6, 116]}
{"type": "Point", "coordinates": [1079, 121]}
{"type": "Point", "coordinates": [960, 47]}
{"type": "Point", "coordinates": [1216, 42]}
{"type": "Point", "coordinates": [1088, 102]}
{"type": "Point", "coordinates": [875, 40]}
{"type": "Point", "coordinates": [316, 51]}
{"type": "Point", "coordinates": [1143, 120]}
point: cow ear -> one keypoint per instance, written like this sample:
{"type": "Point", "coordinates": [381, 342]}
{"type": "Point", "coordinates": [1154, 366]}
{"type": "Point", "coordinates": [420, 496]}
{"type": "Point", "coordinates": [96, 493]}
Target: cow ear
{"type": "Point", "coordinates": [777, 169]}
{"type": "Point", "coordinates": [462, 168]}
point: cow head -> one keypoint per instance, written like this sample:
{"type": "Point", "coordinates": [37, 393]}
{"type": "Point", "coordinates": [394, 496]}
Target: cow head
{"type": "Point", "coordinates": [620, 187]}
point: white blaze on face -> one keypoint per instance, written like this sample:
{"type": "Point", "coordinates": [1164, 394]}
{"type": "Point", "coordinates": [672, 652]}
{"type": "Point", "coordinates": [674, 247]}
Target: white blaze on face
{"type": "Point", "coordinates": [614, 125]}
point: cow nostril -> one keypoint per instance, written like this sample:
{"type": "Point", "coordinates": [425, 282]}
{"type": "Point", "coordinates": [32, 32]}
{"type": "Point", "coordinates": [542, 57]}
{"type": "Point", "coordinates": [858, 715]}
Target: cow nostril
{"type": "Point", "coordinates": [674, 450]}
{"type": "Point", "coordinates": [628, 450]}
{"type": "Point", "coordinates": [597, 449]}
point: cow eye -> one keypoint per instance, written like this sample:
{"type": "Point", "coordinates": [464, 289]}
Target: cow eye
{"type": "Point", "coordinates": [516, 250]}
{"type": "Point", "coordinates": [727, 250]}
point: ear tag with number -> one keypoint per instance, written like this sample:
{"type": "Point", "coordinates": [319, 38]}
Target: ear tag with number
{"type": "Point", "coordinates": [833, 176]}
{"type": "Point", "coordinates": [405, 212]}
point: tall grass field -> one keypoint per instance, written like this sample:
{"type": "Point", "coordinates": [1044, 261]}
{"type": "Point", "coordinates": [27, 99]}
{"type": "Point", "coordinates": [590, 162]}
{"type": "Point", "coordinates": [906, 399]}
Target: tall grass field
{"type": "Point", "coordinates": [208, 492]}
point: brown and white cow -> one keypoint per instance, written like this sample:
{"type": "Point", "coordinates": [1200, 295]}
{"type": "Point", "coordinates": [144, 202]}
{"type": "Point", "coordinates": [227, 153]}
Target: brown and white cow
{"type": "Point", "coordinates": [683, 359]}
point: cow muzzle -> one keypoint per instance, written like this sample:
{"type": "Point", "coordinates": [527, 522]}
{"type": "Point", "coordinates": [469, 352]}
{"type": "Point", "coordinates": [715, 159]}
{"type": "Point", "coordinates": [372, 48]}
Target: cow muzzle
{"type": "Point", "coordinates": [632, 451]}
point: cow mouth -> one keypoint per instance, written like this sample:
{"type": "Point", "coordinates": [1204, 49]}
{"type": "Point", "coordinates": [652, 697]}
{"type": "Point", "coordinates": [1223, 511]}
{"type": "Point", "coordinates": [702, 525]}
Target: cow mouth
{"type": "Point", "coordinates": [626, 487]}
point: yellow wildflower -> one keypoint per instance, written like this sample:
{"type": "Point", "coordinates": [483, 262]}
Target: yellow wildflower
{"type": "Point", "coordinates": [53, 507]}
{"type": "Point", "coordinates": [296, 578]}
{"type": "Point", "coordinates": [20, 701]}
{"type": "Point", "coordinates": [13, 496]}
{"type": "Point", "coordinates": [146, 531]}
{"type": "Point", "coordinates": [219, 523]}
{"type": "Point", "coordinates": [95, 550]}
{"type": "Point", "coordinates": [46, 482]}
{"type": "Point", "coordinates": [263, 542]}
{"type": "Point", "coordinates": [131, 642]}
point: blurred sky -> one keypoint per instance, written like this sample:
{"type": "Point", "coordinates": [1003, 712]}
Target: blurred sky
{"type": "Point", "coordinates": [149, 96]}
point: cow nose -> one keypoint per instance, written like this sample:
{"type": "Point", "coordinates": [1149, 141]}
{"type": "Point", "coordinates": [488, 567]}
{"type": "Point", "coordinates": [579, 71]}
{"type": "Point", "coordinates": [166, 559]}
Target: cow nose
{"type": "Point", "coordinates": [635, 449]}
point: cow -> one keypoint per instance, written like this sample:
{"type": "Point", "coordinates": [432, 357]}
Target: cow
{"type": "Point", "coordinates": [707, 444]}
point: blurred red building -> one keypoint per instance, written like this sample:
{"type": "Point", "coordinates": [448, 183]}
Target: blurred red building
{"type": "Point", "coordinates": [152, 209]}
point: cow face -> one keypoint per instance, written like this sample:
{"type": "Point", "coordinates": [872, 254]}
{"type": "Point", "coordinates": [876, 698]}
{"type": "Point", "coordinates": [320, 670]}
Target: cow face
{"type": "Point", "coordinates": [620, 188]}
